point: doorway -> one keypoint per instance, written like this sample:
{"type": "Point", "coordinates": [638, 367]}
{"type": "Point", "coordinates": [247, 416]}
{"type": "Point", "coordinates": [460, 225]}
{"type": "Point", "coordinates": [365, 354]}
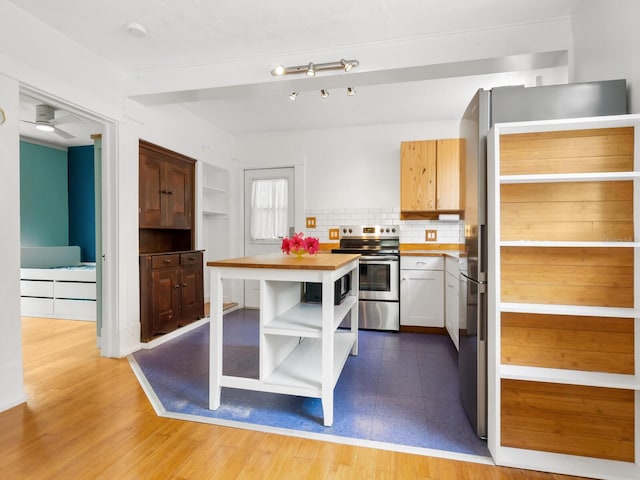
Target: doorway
{"type": "Point", "coordinates": [269, 215]}
{"type": "Point", "coordinates": [74, 127]}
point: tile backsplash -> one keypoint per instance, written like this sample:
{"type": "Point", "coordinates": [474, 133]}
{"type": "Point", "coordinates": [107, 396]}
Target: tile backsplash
{"type": "Point", "coordinates": [411, 231]}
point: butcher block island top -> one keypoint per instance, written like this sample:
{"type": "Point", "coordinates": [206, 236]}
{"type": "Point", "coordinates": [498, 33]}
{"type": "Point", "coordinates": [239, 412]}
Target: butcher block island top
{"type": "Point", "coordinates": [321, 261]}
{"type": "Point", "coordinates": [302, 351]}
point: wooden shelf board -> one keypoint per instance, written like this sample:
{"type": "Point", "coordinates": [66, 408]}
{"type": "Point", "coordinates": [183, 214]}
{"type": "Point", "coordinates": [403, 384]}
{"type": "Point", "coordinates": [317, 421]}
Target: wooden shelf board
{"type": "Point", "coordinates": [305, 319]}
{"type": "Point", "coordinates": [302, 369]}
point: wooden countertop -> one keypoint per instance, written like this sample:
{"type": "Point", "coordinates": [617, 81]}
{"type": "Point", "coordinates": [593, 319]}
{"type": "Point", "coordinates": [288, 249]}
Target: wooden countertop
{"type": "Point", "coordinates": [321, 261]}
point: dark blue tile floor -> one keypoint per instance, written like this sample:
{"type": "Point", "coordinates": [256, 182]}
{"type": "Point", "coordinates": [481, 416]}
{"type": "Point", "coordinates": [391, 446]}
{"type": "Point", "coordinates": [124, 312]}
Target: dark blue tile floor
{"type": "Point", "coordinates": [400, 389]}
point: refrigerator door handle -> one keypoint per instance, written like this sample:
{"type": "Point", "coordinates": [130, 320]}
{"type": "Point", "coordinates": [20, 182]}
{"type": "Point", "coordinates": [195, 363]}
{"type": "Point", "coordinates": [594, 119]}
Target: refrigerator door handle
{"type": "Point", "coordinates": [482, 312]}
{"type": "Point", "coordinates": [482, 253]}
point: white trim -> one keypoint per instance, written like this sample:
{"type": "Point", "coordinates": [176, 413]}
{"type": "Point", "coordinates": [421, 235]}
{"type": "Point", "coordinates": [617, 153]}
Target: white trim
{"type": "Point", "coordinates": [570, 377]}
{"type": "Point", "coordinates": [570, 177]}
{"type": "Point", "coordinates": [558, 244]}
{"type": "Point", "coordinates": [547, 309]}
{"type": "Point", "coordinates": [611, 121]}
{"type": "Point", "coordinates": [156, 342]}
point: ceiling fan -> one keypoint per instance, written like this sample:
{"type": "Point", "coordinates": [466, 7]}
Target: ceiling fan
{"type": "Point", "coordinates": [46, 121]}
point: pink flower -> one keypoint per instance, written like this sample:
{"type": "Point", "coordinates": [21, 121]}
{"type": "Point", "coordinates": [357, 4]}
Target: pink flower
{"type": "Point", "coordinates": [286, 247]}
{"type": "Point", "coordinates": [313, 245]}
{"type": "Point", "coordinates": [297, 243]}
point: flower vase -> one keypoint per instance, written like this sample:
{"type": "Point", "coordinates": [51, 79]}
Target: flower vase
{"type": "Point", "coordinates": [299, 253]}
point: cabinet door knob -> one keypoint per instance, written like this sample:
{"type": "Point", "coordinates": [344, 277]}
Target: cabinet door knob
{"type": "Point", "coordinates": [184, 284]}
{"type": "Point", "coordinates": [177, 285]}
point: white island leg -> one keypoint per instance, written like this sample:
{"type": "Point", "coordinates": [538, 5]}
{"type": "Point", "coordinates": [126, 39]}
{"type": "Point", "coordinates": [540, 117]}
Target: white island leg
{"type": "Point", "coordinates": [215, 339]}
{"type": "Point", "coordinates": [327, 349]}
{"type": "Point", "coordinates": [355, 289]}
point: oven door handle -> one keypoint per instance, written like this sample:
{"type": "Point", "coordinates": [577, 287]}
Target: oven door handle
{"type": "Point", "coordinates": [379, 258]}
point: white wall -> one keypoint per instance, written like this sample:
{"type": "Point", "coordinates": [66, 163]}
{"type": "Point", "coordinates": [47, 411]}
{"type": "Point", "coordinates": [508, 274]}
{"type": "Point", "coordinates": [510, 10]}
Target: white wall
{"type": "Point", "coordinates": [356, 167]}
{"type": "Point", "coordinates": [11, 378]}
{"type": "Point", "coordinates": [607, 45]}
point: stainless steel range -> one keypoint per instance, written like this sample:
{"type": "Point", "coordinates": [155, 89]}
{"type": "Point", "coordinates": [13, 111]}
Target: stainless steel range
{"type": "Point", "coordinates": [379, 296]}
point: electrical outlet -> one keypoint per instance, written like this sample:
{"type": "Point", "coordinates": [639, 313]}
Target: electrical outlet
{"type": "Point", "coordinates": [431, 235]}
{"type": "Point", "coordinates": [334, 234]}
{"type": "Point", "coordinates": [311, 222]}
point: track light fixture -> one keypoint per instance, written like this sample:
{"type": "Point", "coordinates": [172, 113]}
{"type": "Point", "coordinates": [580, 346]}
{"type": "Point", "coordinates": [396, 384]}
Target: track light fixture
{"type": "Point", "coordinates": [311, 68]}
{"type": "Point", "coordinates": [324, 93]}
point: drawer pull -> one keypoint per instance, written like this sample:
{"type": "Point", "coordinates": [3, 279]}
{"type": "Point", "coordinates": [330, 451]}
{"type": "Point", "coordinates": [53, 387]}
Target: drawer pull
{"type": "Point", "coordinates": [167, 261]}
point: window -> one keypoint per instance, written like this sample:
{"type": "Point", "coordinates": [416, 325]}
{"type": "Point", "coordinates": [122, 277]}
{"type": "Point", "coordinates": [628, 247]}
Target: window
{"type": "Point", "coordinates": [269, 208]}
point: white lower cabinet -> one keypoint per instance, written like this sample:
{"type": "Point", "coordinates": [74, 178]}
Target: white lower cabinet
{"type": "Point", "coordinates": [452, 298]}
{"type": "Point", "coordinates": [422, 291]}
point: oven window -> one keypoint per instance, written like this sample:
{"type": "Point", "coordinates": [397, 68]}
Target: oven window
{"type": "Point", "coordinates": [375, 277]}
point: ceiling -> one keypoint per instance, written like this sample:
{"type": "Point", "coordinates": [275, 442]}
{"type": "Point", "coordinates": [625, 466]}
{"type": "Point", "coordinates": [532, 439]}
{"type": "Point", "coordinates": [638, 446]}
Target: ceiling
{"type": "Point", "coordinates": [203, 32]}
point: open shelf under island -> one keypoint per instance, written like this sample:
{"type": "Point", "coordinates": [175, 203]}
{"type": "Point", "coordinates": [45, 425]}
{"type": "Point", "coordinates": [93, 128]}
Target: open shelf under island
{"type": "Point", "coordinates": [302, 351]}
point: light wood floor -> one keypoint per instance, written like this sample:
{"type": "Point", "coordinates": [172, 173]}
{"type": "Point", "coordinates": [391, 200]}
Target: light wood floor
{"type": "Point", "coordinates": [87, 418]}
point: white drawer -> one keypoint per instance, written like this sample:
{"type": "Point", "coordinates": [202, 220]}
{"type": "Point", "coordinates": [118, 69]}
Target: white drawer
{"type": "Point", "coordinates": [75, 309]}
{"type": "Point", "coordinates": [75, 290]}
{"type": "Point", "coordinates": [421, 263]}
{"type": "Point", "coordinates": [36, 306]}
{"type": "Point", "coordinates": [36, 288]}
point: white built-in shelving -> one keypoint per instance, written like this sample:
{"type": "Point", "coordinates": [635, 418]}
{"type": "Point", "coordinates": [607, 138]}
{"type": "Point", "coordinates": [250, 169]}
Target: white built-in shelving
{"type": "Point", "coordinates": [523, 243]}
{"type": "Point", "coordinates": [214, 222]}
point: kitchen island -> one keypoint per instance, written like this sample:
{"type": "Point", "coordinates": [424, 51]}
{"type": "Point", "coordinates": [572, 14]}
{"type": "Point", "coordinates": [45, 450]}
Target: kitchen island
{"type": "Point", "coordinates": [302, 351]}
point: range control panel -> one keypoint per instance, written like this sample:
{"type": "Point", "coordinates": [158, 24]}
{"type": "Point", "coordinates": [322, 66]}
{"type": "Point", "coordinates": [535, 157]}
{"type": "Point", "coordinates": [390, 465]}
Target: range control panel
{"type": "Point", "coordinates": [364, 231]}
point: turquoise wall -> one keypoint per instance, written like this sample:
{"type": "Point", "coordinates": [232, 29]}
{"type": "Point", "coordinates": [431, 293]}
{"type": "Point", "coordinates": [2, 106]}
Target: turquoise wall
{"type": "Point", "coordinates": [57, 198]}
{"type": "Point", "coordinates": [44, 207]}
{"type": "Point", "coordinates": [82, 212]}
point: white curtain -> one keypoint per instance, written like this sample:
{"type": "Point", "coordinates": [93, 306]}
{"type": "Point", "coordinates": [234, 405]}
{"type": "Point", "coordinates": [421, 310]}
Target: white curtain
{"type": "Point", "coordinates": [269, 207]}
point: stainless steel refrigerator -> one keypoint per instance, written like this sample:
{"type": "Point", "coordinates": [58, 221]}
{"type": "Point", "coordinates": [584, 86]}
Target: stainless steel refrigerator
{"type": "Point", "coordinates": [498, 105]}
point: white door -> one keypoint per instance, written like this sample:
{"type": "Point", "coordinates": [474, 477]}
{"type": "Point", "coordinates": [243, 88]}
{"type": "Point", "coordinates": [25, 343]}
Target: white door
{"type": "Point", "coordinates": [268, 216]}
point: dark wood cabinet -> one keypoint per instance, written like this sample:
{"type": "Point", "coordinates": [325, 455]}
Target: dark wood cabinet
{"type": "Point", "coordinates": [171, 271]}
{"type": "Point", "coordinates": [171, 291]}
{"type": "Point", "coordinates": [166, 188]}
